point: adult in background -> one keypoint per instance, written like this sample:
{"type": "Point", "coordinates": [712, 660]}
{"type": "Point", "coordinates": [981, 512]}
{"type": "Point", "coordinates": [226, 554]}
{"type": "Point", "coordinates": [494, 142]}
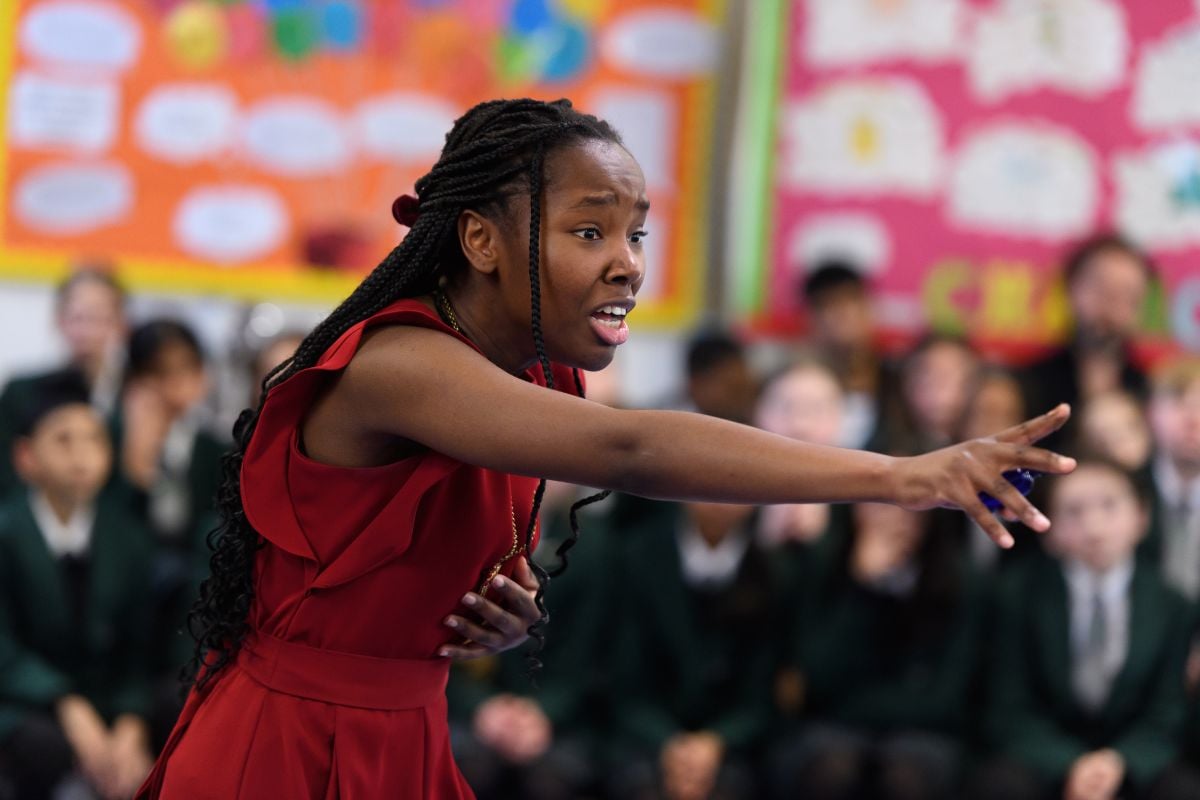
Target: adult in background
{"type": "Point", "coordinates": [1107, 279]}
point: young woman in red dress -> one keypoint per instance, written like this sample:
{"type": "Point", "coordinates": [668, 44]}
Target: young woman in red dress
{"type": "Point", "coordinates": [388, 480]}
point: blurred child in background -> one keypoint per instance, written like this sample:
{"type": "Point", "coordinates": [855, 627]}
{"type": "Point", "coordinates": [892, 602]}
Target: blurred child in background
{"type": "Point", "coordinates": [170, 471]}
{"type": "Point", "coordinates": [803, 401]}
{"type": "Point", "coordinates": [937, 381]}
{"type": "Point", "coordinates": [1087, 698]}
{"type": "Point", "coordinates": [89, 313]}
{"type": "Point", "coordinates": [841, 328]}
{"type": "Point", "coordinates": [882, 654]}
{"type": "Point", "coordinates": [1175, 421]}
{"type": "Point", "coordinates": [720, 382]}
{"type": "Point", "coordinates": [1114, 425]}
{"type": "Point", "coordinates": [166, 453]}
{"type": "Point", "coordinates": [73, 609]}
{"type": "Point", "coordinates": [690, 692]}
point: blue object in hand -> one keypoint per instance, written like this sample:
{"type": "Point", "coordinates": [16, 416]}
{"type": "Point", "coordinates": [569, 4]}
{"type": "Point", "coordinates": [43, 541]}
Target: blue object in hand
{"type": "Point", "coordinates": [1020, 478]}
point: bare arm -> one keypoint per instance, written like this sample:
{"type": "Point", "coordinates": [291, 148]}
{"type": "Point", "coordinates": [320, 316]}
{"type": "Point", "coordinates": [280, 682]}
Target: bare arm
{"type": "Point", "coordinates": [430, 388]}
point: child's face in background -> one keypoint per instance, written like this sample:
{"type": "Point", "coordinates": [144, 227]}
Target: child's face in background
{"type": "Point", "coordinates": [1175, 420]}
{"type": "Point", "coordinates": [1098, 518]}
{"type": "Point", "coordinates": [179, 377]}
{"type": "Point", "coordinates": [938, 386]}
{"type": "Point", "coordinates": [842, 319]}
{"type": "Point", "coordinates": [805, 404]}
{"type": "Point", "coordinates": [725, 390]}
{"type": "Point", "coordinates": [1115, 425]}
{"type": "Point", "coordinates": [68, 455]}
{"type": "Point", "coordinates": [91, 321]}
{"type": "Point", "coordinates": [902, 529]}
{"type": "Point", "coordinates": [996, 406]}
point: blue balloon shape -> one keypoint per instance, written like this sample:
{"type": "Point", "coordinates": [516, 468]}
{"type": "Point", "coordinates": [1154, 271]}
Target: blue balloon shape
{"type": "Point", "coordinates": [342, 23]}
{"type": "Point", "coordinates": [283, 5]}
{"type": "Point", "coordinates": [530, 15]}
{"type": "Point", "coordinates": [568, 55]}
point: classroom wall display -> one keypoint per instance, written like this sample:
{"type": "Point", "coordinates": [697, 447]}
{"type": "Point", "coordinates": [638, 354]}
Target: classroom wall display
{"type": "Point", "coordinates": [254, 147]}
{"type": "Point", "coordinates": [955, 149]}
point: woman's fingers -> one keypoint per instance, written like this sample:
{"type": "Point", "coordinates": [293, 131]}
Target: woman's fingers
{"type": "Point", "coordinates": [988, 522]}
{"type": "Point", "coordinates": [518, 599]}
{"type": "Point", "coordinates": [524, 576]}
{"type": "Point", "coordinates": [1017, 504]}
{"type": "Point", "coordinates": [1039, 460]}
{"type": "Point", "coordinates": [495, 640]}
{"type": "Point", "coordinates": [500, 627]}
{"type": "Point", "coordinates": [1037, 428]}
{"type": "Point", "coordinates": [464, 652]}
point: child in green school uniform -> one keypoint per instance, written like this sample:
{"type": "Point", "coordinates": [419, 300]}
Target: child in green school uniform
{"type": "Point", "coordinates": [877, 662]}
{"type": "Point", "coordinates": [1087, 676]}
{"type": "Point", "coordinates": [73, 688]}
{"type": "Point", "coordinates": [693, 656]}
{"type": "Point", "coordinates": [89, 315]}
{"type": "Point", "coordinates": [169, 465]}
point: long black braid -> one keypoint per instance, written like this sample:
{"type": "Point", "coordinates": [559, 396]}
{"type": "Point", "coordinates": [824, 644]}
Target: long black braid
{"type": "Point", "coordinates": [495, 151]}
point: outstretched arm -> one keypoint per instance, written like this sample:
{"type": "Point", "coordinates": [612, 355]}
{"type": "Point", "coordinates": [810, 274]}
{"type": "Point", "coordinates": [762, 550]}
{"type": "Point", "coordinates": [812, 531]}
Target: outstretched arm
{"type": "Point", "coordinates": [433, 389]}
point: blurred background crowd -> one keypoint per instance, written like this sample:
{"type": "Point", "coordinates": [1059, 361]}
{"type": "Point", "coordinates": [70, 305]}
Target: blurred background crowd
{"type": "Point", "coordinates": [880, 224]}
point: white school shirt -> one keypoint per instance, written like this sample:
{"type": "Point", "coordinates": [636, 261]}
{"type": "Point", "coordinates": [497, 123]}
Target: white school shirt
{"type": "Point", "coordinates": [73, 537]}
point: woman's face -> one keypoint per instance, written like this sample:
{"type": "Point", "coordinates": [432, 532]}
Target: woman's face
{"type": "Point", "coordinates": [592, 264]}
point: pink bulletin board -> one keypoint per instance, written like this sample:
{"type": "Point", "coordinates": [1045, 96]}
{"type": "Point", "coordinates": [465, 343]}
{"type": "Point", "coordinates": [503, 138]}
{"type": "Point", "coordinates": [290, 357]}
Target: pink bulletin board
{"type": "Point", "coordinates": [956, 148]}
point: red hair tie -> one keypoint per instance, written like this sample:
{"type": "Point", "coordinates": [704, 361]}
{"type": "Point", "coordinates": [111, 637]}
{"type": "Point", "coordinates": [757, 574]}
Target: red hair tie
{"type": "Point", "coordinates": [406, 209]}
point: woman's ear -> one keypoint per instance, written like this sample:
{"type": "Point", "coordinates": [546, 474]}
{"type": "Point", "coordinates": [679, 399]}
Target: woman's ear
{"type": "Point", "coordinates": [479, 238]}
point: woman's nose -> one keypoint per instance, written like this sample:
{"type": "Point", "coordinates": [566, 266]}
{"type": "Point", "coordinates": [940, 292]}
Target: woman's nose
{"type": "Point", "coordinates": [627, 267]}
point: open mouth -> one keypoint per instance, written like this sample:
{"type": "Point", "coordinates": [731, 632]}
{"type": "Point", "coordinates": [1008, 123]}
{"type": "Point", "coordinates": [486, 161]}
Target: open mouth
{"type": "Point", "coordinates": [608, 322]}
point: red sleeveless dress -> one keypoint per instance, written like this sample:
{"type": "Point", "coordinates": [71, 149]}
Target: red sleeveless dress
{"type": "Point", "coordinates": [338, 691]}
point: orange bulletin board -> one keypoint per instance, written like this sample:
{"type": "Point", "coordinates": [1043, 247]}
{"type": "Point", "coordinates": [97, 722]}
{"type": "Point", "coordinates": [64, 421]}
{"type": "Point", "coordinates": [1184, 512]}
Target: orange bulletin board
{"type": "Point", "coordinates": [253, 147]}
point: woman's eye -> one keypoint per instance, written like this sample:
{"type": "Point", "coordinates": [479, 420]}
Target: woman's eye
{"type": "Point", "coordinates": [591, 234]}
{"type": "Point", "coordinates": [637, 236]}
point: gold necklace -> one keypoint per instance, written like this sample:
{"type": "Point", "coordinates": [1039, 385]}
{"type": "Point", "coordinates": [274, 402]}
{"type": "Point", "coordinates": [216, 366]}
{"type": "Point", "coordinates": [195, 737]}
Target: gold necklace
{"type": "Point", "coordinates": [447, 312]}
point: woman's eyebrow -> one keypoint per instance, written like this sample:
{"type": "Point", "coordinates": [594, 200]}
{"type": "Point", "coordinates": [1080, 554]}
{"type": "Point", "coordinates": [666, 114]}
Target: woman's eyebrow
{"type": "Point", "coordinates": [607, 199]}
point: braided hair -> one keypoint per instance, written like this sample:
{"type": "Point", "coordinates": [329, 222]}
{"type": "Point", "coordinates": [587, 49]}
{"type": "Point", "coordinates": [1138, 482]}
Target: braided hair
{"type": "Point", "coordinates": [494, 152]}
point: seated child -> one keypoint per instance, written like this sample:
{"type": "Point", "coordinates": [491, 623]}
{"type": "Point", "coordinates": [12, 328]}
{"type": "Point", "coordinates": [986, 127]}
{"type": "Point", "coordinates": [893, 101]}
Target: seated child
{"type": "Point", "coordinates": [804, 401]}
{"type": "Point", "coordinates": [73, 608]}
{"type": "Point", "coordinates": [1087, 678]}
{"type": "Point", "coordinates": [875, 679]}
{"type": "Point", "coordinates": [691, 685]}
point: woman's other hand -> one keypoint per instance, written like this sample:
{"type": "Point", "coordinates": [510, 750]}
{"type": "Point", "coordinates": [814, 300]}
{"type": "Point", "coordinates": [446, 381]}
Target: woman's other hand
{"type": "Point", "coordinates": [954, 477]}
{"type": "Point", "coordinates": [505, 616]}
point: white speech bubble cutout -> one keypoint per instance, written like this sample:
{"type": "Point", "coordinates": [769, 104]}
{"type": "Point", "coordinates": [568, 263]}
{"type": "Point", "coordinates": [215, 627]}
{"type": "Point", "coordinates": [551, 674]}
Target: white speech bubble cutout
{"type": "Point", "coordinates": [646, 121]}
{"type": "Point", "coordinates": [862, 239]}
{"type": "Point", "coordinates": [662, 43]}
{"type": "Point", "coordinates": [296, 137]}
{"type": "Point", "coordinates": [403, 126]}
{"type": "Point", "coordinates": [230, 224]}
{"type": "Point", "coordinates": [90, 35]}
{"type": "Point", "coordinates": [69, 199]}
{"type": "Point", "coordinates": [186, 123]}
{"type": "Point", "coordinates": [55, 113]}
